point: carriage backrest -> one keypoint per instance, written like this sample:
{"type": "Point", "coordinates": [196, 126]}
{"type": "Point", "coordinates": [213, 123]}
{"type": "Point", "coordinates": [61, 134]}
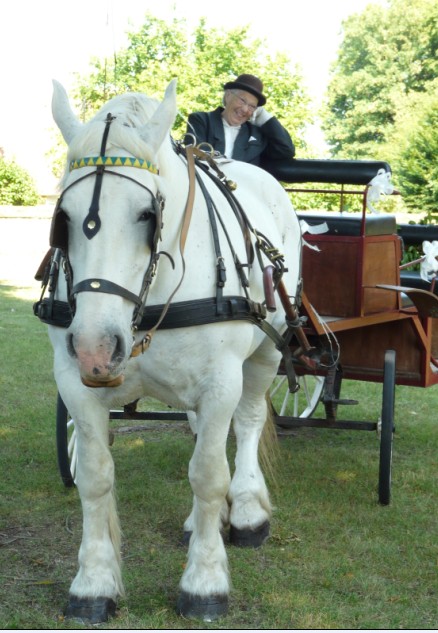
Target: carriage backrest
{"type": "Point", "coordinates": [350, 224]}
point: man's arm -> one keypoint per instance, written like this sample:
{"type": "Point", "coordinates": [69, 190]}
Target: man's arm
{"type": "Point", "coordinates": [279, 143]}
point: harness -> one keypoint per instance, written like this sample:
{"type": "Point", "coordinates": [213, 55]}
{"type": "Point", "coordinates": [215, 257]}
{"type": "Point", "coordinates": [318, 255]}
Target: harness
{"type": "Point", "coordinates": [177, 314]}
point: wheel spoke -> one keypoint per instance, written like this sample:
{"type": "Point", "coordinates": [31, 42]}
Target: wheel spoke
{"type": "Point", "coordinates": [304, 401]}
{"type": "Point", "coordinates": [72, 450]}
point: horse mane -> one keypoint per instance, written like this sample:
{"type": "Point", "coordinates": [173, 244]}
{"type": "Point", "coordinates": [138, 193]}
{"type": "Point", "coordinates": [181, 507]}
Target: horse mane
{"type": "Point", "coordinates": [132, 111]}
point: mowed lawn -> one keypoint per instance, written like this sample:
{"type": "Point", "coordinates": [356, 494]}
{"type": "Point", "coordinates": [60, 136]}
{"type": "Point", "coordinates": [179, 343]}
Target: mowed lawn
{"type": "Point", "coordinates": [336, 558]}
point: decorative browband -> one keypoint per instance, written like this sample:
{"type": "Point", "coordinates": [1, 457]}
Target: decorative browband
{"type": "Point", "coordinates": [113, 161]}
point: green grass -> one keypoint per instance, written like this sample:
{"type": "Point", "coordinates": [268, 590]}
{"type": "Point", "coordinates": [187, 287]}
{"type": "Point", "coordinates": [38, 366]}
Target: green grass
{"type": "Point", "coordinates": [336, 558]}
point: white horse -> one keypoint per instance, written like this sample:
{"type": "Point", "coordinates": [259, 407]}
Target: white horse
{"type": "Point", "coordinates": [113, 223]}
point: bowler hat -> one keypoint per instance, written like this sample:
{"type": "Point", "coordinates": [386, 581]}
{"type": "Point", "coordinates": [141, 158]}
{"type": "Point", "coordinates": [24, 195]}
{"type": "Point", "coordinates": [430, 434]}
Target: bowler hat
{"type": "Point", "coordinates": [249, 83]}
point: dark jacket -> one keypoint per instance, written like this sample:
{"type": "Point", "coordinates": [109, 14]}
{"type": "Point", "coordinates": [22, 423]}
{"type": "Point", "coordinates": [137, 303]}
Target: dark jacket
{"type": "Point", "coordinates": [260, 146]}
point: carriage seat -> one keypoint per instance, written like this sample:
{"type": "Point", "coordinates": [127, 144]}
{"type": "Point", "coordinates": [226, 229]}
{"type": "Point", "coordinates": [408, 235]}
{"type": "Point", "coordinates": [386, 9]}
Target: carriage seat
{"type": "Point", "coordinates": [350, 224]}
{"type": "Point", "coordinates": [342, 172]}
{"type": "Point", "coordinates": [357, 253]}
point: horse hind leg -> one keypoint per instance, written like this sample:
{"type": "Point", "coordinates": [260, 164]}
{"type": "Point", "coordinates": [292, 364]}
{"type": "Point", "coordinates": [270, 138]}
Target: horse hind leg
{"type": "Point", "coordinates": [248, 495]}
{"type": "Point", "coordinates": [188, 523]}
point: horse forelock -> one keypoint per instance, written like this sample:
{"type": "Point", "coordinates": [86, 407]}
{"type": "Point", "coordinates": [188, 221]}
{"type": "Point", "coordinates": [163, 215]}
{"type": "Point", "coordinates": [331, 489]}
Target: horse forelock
{"type": "Point", "coordinates": [135, 109]}
{"type": "Point", "coordinates": [132, 111]}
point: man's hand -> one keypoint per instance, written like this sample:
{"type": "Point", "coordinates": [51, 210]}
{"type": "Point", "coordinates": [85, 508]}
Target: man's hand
{"type": "Point", "coordinates": [260, 116]}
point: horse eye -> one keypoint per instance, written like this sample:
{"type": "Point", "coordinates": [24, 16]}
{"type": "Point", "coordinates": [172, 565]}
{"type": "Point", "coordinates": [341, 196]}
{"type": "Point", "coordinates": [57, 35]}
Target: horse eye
{"type": "Point", "coordinates": [145, 216]}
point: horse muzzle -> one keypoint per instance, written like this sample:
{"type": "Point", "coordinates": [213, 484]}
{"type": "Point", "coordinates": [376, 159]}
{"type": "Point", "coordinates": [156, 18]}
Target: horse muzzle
{"type": "Point", "coordinates": [101, 360]}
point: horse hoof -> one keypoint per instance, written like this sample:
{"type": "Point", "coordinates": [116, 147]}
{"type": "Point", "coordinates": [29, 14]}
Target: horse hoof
{"type": "Point", "coordinates": [185, 541]}
{"type": "Point", "coordinates": [206, 608]}
{"type": "Point", "coordinates": [248, 537]}
{"type": "Point", "coordinates": [90, 610]}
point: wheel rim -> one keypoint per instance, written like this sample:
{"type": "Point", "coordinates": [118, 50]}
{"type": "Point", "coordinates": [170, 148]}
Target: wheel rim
{"type": "Point", "coordinates": [302, 403]}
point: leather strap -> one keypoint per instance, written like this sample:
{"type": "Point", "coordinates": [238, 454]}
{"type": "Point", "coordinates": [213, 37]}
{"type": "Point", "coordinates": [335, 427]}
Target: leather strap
{"type": "Point", "coordinates": [105, 286]}
{"type": "Point", "coordinates": [139, 348]}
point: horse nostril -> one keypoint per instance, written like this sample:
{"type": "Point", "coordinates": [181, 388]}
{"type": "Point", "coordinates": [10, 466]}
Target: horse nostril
{"type": "Point", "coordinates": [119, 351]}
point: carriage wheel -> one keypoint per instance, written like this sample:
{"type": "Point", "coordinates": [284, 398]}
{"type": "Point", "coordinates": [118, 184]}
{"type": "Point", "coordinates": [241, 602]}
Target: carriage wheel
{"type": "Point", "coordinates": [304, 401]}
{"type": "Point", "coordinates": [387, 428]}
{"type": "Point", "coordinates": [65, 444]}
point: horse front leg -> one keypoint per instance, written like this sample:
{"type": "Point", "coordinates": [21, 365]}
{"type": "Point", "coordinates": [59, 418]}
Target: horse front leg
{"type": "Point", "coordinates": [98, 583]}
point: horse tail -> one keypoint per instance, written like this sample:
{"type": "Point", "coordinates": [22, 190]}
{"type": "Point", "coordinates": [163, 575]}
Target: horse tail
{"type": "Point", "coordinates": [269, 449]}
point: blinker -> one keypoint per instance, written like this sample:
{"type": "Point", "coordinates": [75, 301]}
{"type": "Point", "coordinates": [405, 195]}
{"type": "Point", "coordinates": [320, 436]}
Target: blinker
{"type": "Point", "coordinates": [58, 228]}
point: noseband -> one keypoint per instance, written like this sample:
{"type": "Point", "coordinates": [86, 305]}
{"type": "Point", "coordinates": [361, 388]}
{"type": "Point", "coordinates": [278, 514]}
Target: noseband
{"type": "Point", "coordinates": [92, 223]}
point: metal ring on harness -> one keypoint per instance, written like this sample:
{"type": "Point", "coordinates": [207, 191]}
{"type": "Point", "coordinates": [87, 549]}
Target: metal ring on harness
{"type": "Point", "coordinates": [210, 151]}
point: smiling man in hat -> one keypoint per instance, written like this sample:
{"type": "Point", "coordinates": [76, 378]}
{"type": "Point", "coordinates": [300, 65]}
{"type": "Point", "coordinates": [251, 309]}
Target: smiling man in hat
{"type": "Point", "coordinates": [242, 129]}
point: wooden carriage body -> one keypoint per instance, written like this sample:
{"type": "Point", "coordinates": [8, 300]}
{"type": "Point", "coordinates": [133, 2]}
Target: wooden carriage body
{"type": "Point", "coordinates": [353, 284]}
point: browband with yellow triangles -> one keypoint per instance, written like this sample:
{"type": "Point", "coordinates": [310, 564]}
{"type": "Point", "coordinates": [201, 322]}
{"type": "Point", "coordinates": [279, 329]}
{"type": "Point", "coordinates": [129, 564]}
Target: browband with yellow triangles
{"type": "Point", "coordinates": [113, 161]}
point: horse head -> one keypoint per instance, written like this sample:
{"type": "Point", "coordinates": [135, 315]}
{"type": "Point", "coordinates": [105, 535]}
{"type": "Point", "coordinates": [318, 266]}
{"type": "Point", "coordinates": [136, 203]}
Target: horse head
{"type": "Point", "coordinates": [108, 222]}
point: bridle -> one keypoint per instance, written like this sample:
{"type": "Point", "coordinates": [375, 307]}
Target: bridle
{"type": "Point", "coordinates": [92, 223]}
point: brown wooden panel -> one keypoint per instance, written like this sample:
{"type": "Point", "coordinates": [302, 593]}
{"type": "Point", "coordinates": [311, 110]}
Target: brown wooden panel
{"type": "Point", "coordinates": [336, 276]}
{"type": "Point", "coordinates": [381, 261]}
{"type": "Point", "coordinates": [330, 275]}
{"type": "Point", "coordinates": [363, 349]}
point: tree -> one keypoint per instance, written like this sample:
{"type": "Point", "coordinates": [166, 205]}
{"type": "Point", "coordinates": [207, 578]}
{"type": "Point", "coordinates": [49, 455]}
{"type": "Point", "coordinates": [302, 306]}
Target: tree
{"type": "Point", "coordinates": [16, 186]}
{"type": "Point", "coordinates": [416, 164]}
{"type": "Point", "coordinates": [202, 61]}
{"type": "Point", "coordinates": [386, 54]}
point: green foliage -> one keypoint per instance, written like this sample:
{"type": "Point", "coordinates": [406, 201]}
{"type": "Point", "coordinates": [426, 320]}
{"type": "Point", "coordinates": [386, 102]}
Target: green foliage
{"type": "Point", "coordinates": [318, 197]}
{"type": "Point", "coordinates": [202, 61]}
{"type": "Point", "coordinates": [386, 54]}
{"type": "Point", "coordinates": [417, 165]}
{"type": "Point", "coordinates": [386, 70]}
{"type": "Point", "coordinates": [16, 186]}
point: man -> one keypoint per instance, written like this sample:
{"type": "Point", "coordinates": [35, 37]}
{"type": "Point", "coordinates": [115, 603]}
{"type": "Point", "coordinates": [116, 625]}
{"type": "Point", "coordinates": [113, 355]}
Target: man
{"type": "Point", "coordinates": [243, 129]}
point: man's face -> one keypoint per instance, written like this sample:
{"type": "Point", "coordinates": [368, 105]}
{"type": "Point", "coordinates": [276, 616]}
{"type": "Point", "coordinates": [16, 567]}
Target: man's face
{"type": "Point", "coordinates": [239, 106]}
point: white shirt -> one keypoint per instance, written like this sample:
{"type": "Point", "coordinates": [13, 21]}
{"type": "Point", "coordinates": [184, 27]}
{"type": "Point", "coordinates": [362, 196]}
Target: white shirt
{"type": "Point", "coordinates": [230, 132]}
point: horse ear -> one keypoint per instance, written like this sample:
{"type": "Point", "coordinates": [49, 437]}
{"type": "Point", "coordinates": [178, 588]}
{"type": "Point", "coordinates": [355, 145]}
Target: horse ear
{"type": "Point", "coordinates": [64, 116]}
{"type": "Point", "coordinates": [160, 124]}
